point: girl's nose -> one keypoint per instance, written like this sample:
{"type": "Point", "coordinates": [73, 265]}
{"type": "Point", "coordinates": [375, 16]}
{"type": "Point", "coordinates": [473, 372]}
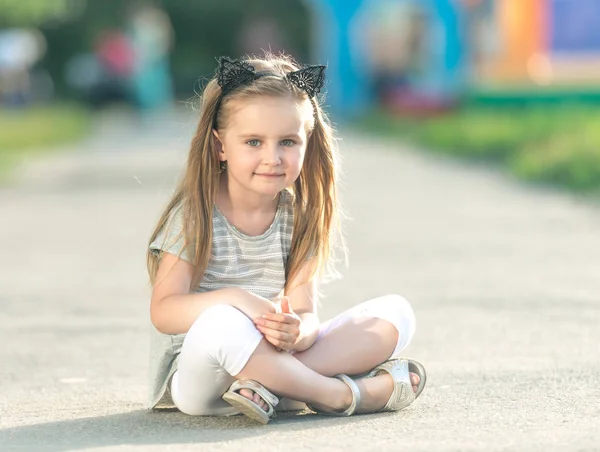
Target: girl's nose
{"type": "Point", "coordinates": [272, 155]}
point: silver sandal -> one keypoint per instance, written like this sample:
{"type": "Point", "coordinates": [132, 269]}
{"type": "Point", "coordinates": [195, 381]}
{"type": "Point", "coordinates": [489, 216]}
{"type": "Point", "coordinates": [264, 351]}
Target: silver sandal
{"type": "Point", "coordinates": [402, 395]}
{"type": "Point", "coordinates": [247, 406]}
{"type": "Point", "coordinates": [355, 399]}
{"type": "Point", "coordinates": [400, 369]}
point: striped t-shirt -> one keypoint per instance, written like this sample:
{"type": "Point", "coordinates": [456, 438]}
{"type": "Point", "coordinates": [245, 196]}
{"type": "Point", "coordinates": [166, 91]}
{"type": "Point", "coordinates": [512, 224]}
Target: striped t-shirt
{"type": "Point", "coordinates": [254, 263]}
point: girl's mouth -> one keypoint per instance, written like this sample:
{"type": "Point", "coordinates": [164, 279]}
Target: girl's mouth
{"type": "Point", "coordinates": [270, 175]}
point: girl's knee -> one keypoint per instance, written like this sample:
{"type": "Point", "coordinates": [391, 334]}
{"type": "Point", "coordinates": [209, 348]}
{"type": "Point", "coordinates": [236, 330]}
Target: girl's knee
{"type": "Point", "coordinates": [399, 305]}
{"type": "Point", "coordinates": [394, 304]}
{"type": "Point", "coordinates": [197, 399]}
{"type": "Point", "coordinates": [398, 311]}
{"type": "Point", "coordinates": [224, 336]}
{"type": "Point", "coordinates": [220, 321]}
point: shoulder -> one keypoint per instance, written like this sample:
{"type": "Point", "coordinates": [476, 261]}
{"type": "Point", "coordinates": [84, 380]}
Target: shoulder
{"type": "Point", "coordinates": [174, 222]}
{"type": "Point", "coordinates": [176, 214]}
{"type": "Point", "coordinates": [170, 236]}
{"type": "Point", "coordinates": [171, 220]}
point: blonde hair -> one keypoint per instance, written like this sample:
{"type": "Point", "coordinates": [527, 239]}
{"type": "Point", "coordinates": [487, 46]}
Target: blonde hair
{"type": "Point", "coordinates": [316, 210]}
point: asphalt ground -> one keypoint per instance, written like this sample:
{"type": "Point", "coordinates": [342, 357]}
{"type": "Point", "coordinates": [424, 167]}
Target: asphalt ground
{"type": "Point", "coordinates": [504, 279]}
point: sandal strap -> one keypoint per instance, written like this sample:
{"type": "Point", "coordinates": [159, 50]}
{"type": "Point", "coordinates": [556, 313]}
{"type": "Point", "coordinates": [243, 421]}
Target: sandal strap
{"type": "Point", "coordinates": [355, 394]}
{"type": "Point", "coordinates": [355, 399]}
{"type": "Point", "coordinates": [256, 387]}
{"type": "Point", "coordinates": [403, 394]}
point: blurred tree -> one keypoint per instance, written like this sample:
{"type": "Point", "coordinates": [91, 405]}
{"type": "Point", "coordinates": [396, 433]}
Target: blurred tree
{"type": "Point", "coordinates": [35, 12]}
{"type": "Point", "coordinates": [204, 30]}
{"type": "Point", "coordinates": [207, 29]}
{"type": "Point", "coordinates": [77, 34]}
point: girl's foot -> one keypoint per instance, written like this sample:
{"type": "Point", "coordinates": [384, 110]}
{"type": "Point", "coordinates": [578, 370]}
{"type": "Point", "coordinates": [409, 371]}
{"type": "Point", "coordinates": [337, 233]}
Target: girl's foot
{"type": "Point", "coordinates": [391, 386]}
{"type": "Point", "coordinates": [251, 395]}
{"type": "Point", "coordinates": [252, 399]}
{"type": "Point", "coordinates": [376, 391]}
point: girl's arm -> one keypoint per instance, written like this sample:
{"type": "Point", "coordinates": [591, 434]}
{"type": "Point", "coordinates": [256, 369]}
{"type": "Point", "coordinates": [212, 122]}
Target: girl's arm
{"type": "Point", "coordinates": [303, 301]}
{"type": "Point", "coordinates": [173, 309]}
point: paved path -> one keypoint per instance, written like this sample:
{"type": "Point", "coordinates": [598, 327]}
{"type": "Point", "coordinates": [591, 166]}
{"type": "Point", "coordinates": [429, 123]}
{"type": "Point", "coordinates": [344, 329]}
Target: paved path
{"type": "Point", "coordinates": [504, 279]}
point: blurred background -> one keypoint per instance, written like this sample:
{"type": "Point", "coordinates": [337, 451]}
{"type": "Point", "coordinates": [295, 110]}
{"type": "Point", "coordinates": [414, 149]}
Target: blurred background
{"type": "Point", "coordinates": [515, 82]}
{"type": "Point", "coordinates": [471, 154]}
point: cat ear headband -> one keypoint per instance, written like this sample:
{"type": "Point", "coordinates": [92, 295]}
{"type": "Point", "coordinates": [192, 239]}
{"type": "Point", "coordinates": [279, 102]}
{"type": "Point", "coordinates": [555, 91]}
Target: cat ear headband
{"type": "Point", "coordinates": [232, 74]}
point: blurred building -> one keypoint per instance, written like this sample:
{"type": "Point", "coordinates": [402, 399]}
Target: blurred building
{"type": "Point", "coordinates": [410, 55]}
{"type": "Point", "coordinates": [541, 42]}
{"type": "Point", "coordinates": [427, 55]}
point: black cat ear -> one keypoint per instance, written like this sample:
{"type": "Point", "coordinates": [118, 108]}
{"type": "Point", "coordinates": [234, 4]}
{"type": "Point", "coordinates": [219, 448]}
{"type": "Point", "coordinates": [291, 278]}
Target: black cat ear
{"type": "Point", "coordinates": [310, 79]}
{"type": "Point", "coordinates": [234, 73]}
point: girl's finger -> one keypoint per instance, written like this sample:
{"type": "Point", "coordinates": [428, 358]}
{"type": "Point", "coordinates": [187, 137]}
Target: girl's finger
{"type": "Point", "coordinates": [285, 343]}
{"type": "Point", "coordinates": [281, 318]}
{"type": "Point", "coordinates": [274, 317]}
{"type": "Point", "coordinates": [275, 325]}
{"type": "Point", "coordinates": [277, 343]}
{"type": "Point", "coordinates": [280, 346]}
{"type": "Point", "coordinates": [275, 334]}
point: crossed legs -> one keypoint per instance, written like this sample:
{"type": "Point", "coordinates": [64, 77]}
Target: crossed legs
{"type": "Point", "coordinates": [352, 343]}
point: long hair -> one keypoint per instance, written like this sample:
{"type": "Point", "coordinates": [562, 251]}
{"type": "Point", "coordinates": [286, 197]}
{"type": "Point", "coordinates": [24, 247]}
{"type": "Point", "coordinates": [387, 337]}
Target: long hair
{"type": "Point", "coordinates": [316, 210]}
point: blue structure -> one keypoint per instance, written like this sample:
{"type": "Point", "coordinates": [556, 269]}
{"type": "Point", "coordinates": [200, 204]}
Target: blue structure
{"type": "Point", "coordinates": [350, 90]}
{"type": "Point", "coordinates": [446, 74]}
{"type": "Point", "coordinates": [347, 87]}
{"type": "Point", "coordinates": [575, 26]}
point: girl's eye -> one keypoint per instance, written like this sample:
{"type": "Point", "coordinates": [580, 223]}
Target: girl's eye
{"type": "Point", "coordinates": [288, 142]}
{"type": "Point", "coordinates": [253, 143]}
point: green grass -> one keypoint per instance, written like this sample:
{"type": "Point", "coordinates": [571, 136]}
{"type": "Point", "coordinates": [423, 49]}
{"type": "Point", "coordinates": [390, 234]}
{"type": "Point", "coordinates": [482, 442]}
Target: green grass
{"type": "Point", "coordinates": [25, 132]}
{"type": "Point", "coordinates": [550, 144]}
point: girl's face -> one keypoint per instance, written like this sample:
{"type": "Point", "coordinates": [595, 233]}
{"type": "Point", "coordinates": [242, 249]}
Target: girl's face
{"type": "Point", "coordinates": [264, 143]}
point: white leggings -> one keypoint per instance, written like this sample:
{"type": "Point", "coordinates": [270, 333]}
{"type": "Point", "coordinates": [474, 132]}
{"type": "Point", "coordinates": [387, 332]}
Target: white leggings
{"type": "Point", "coordinates": [222, 340]}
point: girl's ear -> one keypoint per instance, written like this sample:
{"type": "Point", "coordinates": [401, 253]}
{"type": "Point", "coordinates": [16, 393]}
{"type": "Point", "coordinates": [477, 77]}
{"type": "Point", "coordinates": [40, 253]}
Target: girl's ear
{"type": "Point", "coordinates": [219, 145]}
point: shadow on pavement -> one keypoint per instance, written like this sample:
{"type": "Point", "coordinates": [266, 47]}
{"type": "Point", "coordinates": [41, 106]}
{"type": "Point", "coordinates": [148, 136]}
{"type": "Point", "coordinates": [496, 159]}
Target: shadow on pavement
{"type": "Point", "coordinates": [144, 427]}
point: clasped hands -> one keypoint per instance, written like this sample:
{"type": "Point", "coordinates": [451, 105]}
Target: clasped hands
{"type": "Point", "coordinates": [282, 329]}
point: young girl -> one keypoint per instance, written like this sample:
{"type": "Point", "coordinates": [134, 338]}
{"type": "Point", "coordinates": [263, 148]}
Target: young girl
{"type": "Point", "coordinates": [236, 258]}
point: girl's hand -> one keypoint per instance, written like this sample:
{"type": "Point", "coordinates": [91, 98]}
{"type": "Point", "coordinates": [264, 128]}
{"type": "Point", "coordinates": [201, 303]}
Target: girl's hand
{"type": "Point", "coordinates": [281, 330]}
